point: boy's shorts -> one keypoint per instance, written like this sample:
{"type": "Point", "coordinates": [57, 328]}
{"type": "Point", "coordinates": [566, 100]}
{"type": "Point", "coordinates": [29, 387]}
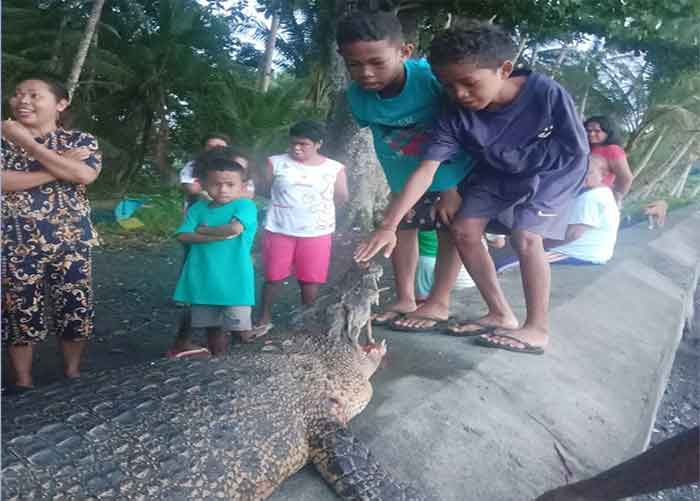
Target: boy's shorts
{"type": "Point", "coordinates": [228, 318]}
{"type": "Point", "coordinates": [308, 258]}
{"type": "Point", "coordinates": [539, 203]}
{"type": "Point", "coordinates": [423, 216]}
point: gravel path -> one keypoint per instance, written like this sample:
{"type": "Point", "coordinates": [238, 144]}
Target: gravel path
{"type": "Point", "coordinates": [680, 407]}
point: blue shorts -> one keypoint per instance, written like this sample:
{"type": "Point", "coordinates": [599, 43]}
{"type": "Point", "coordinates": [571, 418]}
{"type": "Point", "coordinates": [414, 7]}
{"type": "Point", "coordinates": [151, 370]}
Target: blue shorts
{"type": "Point", "coordinates": [538, 203]}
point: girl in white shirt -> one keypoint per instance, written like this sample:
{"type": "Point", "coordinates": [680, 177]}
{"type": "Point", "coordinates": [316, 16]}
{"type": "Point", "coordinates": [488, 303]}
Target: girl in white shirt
{"type": "Point", "coordinates": [305, 189]}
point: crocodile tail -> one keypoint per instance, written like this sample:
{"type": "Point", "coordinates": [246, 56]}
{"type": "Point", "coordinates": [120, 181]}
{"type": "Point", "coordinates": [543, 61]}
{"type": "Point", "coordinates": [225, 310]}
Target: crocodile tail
{"type": "Point", "coordinates": [351, 469]}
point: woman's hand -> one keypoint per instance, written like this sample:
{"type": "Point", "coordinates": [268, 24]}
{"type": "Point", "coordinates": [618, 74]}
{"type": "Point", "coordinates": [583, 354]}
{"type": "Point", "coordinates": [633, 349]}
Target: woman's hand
{"type": "Point", "coordinates": [17, 133]}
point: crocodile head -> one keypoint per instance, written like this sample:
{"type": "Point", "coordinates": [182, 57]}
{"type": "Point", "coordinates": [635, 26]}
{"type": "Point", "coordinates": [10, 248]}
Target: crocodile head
{"type": "Point", "coordinates": [347, 351]}
{"type": "Point", "coordinates": [346, 389]}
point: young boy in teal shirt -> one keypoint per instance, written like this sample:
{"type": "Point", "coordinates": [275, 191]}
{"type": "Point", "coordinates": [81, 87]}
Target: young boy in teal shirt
{"type": "Point", "coordinates": [399, 98]}
{"type": "Point", "coordinates": [218, 279]}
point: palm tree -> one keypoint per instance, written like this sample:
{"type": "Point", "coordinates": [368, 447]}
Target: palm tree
{"type": "Point", "coordinates": [84, 46]}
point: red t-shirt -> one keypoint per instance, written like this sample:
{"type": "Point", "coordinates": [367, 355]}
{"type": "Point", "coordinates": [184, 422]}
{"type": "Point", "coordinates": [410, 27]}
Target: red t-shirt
{"type": "Point", "coordinates": [608, 152]}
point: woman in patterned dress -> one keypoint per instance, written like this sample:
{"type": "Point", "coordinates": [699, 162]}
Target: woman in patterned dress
{"type": "Point", "coordinates": [47, 233]}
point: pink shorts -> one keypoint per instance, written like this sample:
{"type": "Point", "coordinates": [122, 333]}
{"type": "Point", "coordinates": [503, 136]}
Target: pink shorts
{"type": "Point", "coordinates": [305, 257]}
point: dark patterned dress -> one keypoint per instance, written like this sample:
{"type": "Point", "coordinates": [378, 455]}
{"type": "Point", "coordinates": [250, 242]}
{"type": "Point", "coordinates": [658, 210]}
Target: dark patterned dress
{"type": "Point", "coordinates": [46, 249]}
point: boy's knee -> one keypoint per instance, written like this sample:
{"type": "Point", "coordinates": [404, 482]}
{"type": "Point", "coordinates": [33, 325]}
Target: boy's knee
{"type": "Point", "coordinates": [466, 235]}
{"type": "Point", "coordinates": [525, 242]}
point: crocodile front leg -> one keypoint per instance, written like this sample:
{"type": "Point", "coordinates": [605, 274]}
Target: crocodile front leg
{"type": "Point", "coordinates": [351, 469]}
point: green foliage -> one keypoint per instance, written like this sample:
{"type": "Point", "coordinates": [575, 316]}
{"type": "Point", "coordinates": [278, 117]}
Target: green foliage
{"type": "Point", "coordinates": [162, 74]}
{"type": "Point", "coordinates": [161, 217]}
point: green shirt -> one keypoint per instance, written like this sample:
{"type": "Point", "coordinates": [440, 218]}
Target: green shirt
{"type": "Point", "coordinates": [428, 243]}
{"type": "Point", "coordinates": [219, 273]}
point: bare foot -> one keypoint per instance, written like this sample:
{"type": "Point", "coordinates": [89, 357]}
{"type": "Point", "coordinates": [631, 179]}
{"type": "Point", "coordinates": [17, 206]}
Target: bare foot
{"type": "Point", "coordinates": [530, 337]}
{"type": "Point", "coordinates": [427, 315]}
{"type": "Point", "coordinates": [394, 311]}
{"type": "Point", "coordinates": [485, 323]}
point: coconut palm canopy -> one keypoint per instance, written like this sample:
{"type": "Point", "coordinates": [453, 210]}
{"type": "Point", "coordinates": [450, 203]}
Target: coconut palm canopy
{"type": "Point", "coordinates": [159, 75]}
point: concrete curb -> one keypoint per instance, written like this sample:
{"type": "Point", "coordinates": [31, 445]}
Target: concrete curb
{"type": "Point", "coordinates": [468, 423]}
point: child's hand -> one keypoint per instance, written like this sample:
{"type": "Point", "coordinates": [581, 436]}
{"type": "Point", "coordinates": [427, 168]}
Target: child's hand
{"type": "Point", "coordinates": [378, 240]}
{"type": "Point", "coordinates": [448, 205]}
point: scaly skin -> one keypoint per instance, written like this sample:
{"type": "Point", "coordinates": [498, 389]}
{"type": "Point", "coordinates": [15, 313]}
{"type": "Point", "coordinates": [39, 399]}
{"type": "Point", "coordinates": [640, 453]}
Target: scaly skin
{"type": "Point", "coordinates": [232, 428]}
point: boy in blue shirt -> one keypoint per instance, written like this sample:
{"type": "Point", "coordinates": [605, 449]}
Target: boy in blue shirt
{"type": "Point", "coordinates": [399, 99]}
{"type": "Point", "coordinates": [218, 279]}
{"type": "Point", "coordinates": [530, 153]}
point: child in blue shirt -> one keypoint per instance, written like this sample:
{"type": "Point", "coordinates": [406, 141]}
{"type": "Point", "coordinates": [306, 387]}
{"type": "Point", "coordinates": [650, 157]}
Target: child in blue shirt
{"type": "Point", "coordinates": [399, 99]}
{"type": "Point", "coordinates": [530, 153]}
{"type": "Point", "coordinates": [217, 278]}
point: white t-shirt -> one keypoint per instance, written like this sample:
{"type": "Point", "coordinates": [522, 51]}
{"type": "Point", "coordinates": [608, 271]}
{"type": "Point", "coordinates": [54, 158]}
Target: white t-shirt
{"type": "Point", "coordinates": [301, 197]}
{"type": "Point", "coordinates": [596, 208]}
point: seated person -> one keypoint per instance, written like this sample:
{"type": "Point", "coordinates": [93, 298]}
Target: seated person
{"type": "Point", "coordinates": [592, 230]}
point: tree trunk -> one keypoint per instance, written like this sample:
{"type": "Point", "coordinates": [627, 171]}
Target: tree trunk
{"type": "Point", "coordinates": [166, 173]}
{"type": "Point", "coordinates": [650, 153]}
{"type": "Point", "coordinates": [584, 102]}
{"type": "Point", "coordinates": [55, 63]}
{"type": "Point", "coordinates": [266, 64]}
{"type": "Point", "coordinates": [681, 151]}
{"type": "Point", "coordinates": [680, 185]}
{"type": "Point", "coordinates": [521, 47]}
{"type": "Point", "coordinates": [533, 58]}
{"type": "Point", "coordinates": [84, 46]}
{"type": "Point", "coordinates": [561, 57]}
{"type": "Point", "coordinates": [88, 96]}
{"type": "Point", "coordinates": [354, 148]}
{"type": "Point", "coordinates": [138, 159]}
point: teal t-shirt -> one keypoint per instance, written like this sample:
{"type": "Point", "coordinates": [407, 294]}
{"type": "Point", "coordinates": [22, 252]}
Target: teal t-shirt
{"type": "Point", "coordinates": [400, 126]}
{"type": "Point", "coordinates": [219, 273]}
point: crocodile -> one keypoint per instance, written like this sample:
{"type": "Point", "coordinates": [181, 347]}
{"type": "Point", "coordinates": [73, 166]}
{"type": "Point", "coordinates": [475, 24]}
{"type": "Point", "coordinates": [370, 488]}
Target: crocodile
{"type": "Point", "coordinates": [233, 427]}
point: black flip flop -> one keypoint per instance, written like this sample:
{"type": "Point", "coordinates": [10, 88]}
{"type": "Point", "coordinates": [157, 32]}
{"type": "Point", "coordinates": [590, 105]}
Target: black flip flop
{"type": "Point", "coordinates": [526, 347]}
